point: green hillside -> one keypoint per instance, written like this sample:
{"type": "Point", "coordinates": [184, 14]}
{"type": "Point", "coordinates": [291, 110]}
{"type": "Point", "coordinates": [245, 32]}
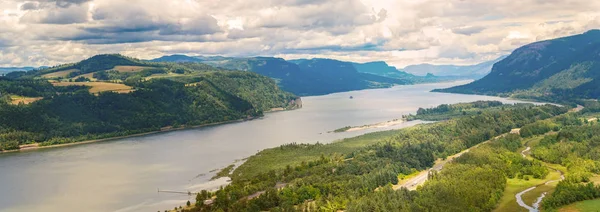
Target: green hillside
{"type": "Point", "coordinates": [62, 110]}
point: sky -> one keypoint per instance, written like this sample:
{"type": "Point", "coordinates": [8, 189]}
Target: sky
{"type": "Point", "coordinates": [400, 32]}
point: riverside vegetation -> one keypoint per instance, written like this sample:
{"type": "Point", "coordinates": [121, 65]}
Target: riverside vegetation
{"type": "Point", "coordinates": [357, 174]}
{"type": "Point", "coordinates": [327, 177]}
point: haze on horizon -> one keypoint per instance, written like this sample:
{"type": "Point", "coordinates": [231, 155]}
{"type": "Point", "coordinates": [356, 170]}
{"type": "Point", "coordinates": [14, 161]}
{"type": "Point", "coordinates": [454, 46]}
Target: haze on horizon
{"type": "Point", "coordinates": [404, 32]}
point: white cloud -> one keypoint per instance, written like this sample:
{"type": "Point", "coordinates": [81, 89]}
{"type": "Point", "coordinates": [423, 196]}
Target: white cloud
{"type": "Point", "coordinates": [401, 32]}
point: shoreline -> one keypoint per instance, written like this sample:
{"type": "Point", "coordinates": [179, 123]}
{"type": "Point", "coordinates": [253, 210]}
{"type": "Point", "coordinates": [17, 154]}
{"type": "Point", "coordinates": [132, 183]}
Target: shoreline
{"type": "Point", "coordinates": [36, 146]}
{"type": "Point", "coordinates": [372, 126]}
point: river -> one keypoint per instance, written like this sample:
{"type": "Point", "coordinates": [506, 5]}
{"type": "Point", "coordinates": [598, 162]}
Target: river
{"type": "Point", "coordinates": [125, 174]}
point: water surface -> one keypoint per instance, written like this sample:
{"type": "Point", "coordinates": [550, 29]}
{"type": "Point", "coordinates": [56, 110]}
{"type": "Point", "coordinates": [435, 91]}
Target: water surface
{"type": "Point", "coordinates": [125, 174]}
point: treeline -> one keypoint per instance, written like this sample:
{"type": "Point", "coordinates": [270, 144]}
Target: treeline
{"type": "Point", "coordinates": [33, 88]}
{"type": "Point", "coordinates": [75, 116]}
{"type": "Point", "coordinates": [349, 182]}
{"type": "Point", "coordinates": [446, 111]}
{"type": "Point", "coordinates": [570, 192]}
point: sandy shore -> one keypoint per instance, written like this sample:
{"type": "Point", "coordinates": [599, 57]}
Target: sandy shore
{"type": "Point", "coordinates": [378, 125]}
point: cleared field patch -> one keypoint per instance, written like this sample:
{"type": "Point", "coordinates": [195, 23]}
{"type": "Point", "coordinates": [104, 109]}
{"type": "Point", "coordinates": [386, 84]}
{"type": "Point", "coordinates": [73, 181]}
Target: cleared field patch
{"type": "Point", "coordinates": [130, 68]}
{"type": "Point", "coordinates": [168, 75]}
{"type": "Point", "coordinates": [89, 76]}
{"type": "Point", "coordinates": [583, 206]}
{"type": "Point", "coordinates": [59, 74]}
{"type": "Point", "coordinates": [15, 100]}
{"type": "Point", "coordinates": [508, 202]}
{"type": "Point", "coordinates": [97, 87]}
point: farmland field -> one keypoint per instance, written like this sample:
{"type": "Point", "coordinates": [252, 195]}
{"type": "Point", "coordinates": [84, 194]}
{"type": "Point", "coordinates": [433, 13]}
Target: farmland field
{"type": "Point", "coordinates": [130, 68]}
{"type": "Point", "coordinates": [15, 100]}
{"type": "Point", "coordinates": [59, 73]}
{"type": "Point", "coordinates": [97, 87]}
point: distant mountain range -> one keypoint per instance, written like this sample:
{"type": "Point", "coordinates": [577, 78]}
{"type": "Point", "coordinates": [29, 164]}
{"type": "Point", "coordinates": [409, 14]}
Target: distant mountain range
{"type": "Point", "coordinates": [314, 76]}
{"type": "Point", "coordinates": [6, 70]}
{"type": "Point", "coordinates": [470, 71]}
{"type": "Point", "coordinates": [560, 69]}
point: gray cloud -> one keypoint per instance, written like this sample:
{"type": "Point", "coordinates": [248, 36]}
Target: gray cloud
{"type": "Point", "coordinates": [469, 30]}
{"type": "Point", "coordinates": [57, 15]}
{"type": "Point", "coordinates": [30, 6]}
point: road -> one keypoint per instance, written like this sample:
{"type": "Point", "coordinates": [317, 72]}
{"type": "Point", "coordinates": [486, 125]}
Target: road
{"type": "Point", "coordinates": [419, 179]}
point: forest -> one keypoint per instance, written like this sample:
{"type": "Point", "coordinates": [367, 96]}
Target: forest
{"type": "Point", "coordinates": [71, 113]}
{"type": "Point", "coordinates": [360, 176]}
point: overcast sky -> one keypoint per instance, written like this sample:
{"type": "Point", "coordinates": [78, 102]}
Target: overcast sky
{"type": "Point", "coordinates": [400, 32]}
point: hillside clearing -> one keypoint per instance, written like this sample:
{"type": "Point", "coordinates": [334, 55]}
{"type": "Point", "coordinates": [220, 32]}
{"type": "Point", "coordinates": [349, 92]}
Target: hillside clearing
{"type": "Point", "coordinates": [89, 76]}
{"type": "Point", "coordinates": [59, 74]}
{"type": "Point", "coordinates": [15, 100]}
{"type": "Point", "coordinates": [130, 68]}
{"type": "Point", "coordinates": [97, 87]}
{"type": "Point", "coordinates": [583, 206]}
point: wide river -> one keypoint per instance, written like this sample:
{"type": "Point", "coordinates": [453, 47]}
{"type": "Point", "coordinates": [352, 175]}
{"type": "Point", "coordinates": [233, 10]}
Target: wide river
{"type": "Point", "coordinates": [125, 174]}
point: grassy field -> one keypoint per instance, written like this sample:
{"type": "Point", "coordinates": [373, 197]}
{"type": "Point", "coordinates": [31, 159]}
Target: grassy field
{"type": "Point", "coordinates": [514, 186]}
{"type": "Point", "coordinates": [97, 87]}
{"type": "Point", "coordinates": [583, 206]}
{"type": "Point", "coordinates": [59, 74]}
{"type": "Point", "coordinates": [88, 75]}
{"type": "Point", "coordinates": [15, 100]}
{"type": "Point", "coordinates": [280, 157]}
{"type": "Point", "coordinates": [129, 68]}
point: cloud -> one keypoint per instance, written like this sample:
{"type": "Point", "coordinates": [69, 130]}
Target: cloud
{"type": "Point", "coordinates": [468, 30]}
{"type": "Point", "coordinates": [56, 15]}
{"type": "Point", "coordinates": [30, 6]}
{"type": "Point", "coordinates": [401, 32]}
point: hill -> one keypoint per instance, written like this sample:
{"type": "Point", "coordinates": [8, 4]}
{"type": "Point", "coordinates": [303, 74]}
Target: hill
{"type": "Point", "coordinates": [382, 69]}
{"type": "Point", "coordinates": [307, 77]}
{"type": "Point", "coordinates": [315, 76]}
{"type": "Point", "coordinates": [6, 70]}
{"type": "Point", "coordinates": [177, 58]}
{"type": "Point", "coordinates": [471, 71]}
{"type": "Point", "coordinates": [556, 70]}
{"type": "Point", "coordinates": [64, 110]}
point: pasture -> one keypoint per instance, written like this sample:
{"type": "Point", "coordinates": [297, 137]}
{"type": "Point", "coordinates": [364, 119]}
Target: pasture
{"type": "Point", "coordinates": [97, 87]}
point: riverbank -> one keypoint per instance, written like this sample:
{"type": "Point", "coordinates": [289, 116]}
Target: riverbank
{"type": "Point", "coordinates": [292, 105]}
{"type": "Point", "coordinates": [36, 146]}
{"type": "Point", "coordinates": [372, 126]}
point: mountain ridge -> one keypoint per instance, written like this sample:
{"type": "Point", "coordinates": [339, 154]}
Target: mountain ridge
{"type": "Point", "coordinates": [557, 69]}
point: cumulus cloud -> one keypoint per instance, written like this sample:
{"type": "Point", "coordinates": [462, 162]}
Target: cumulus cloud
{"type": "Point", "coordinates": [402, 32]}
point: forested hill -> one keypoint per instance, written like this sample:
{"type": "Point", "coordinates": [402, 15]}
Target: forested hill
{"type": "Point", "coordinates": [314, 76]}
{"type": "Point", "coordinates": [559, 69]}
{"type": "Point", "coordinates": [111, 95]}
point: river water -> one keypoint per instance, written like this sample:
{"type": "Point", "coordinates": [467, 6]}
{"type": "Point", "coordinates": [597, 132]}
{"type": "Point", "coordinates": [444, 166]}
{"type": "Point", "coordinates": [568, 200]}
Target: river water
{"type": "Point", "coordinates": [125, 174]}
